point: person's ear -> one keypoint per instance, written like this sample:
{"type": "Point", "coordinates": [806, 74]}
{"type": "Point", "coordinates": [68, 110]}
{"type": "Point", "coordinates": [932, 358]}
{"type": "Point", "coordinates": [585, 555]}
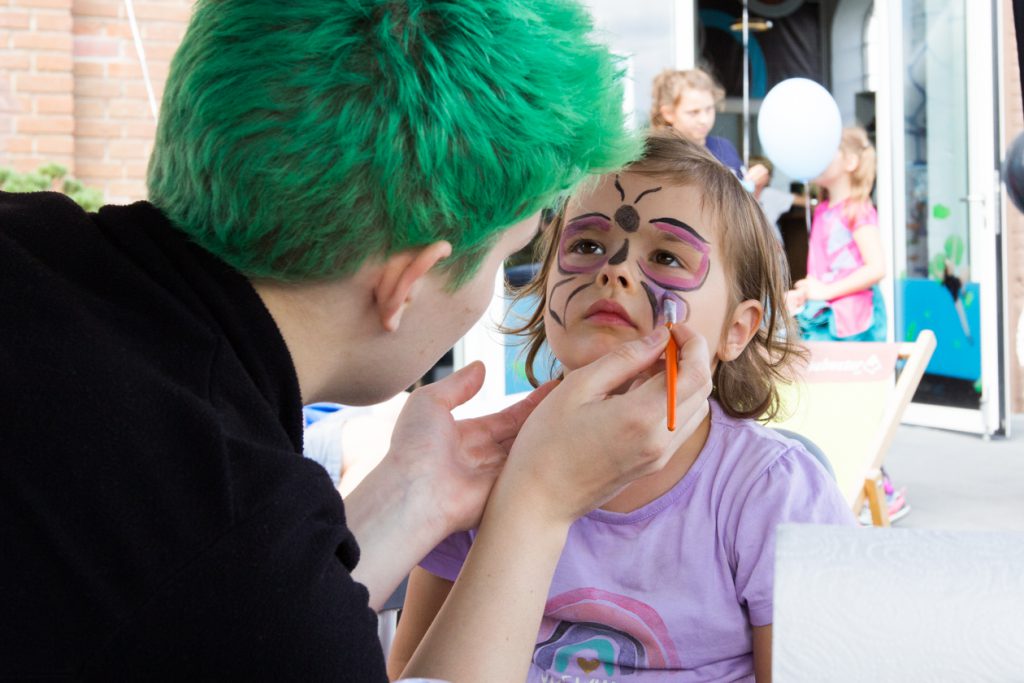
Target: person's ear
{"type": "Point", "coordinates": [851, 162]}
{"type": "Point", "coordinates": [668, 113]}
{"type": "Point", "coordinates": [401, 277]}
{"type": "Point", "coordinates": [740, 329]}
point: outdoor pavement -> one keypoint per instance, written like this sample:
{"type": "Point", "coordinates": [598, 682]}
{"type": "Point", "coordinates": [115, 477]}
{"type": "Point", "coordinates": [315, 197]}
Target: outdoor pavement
{"type": "Point", "coordinates": [959, 481]}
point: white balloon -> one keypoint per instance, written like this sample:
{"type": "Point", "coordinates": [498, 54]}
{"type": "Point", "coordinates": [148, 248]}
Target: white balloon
{"type": "Point", "coordinates": [799, 127]}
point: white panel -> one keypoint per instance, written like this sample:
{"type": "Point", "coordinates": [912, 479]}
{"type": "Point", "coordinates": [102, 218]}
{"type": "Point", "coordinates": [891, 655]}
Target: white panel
{"type": "Point", "coordinates": [897, 605]}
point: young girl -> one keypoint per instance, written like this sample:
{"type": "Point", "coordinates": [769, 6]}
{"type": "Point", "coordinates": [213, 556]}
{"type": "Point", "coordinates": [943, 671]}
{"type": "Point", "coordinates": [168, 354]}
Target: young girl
{"type": "Point", "coordinates": [839, 299]}
{"type": "Point", "coordinates": [672, 578]}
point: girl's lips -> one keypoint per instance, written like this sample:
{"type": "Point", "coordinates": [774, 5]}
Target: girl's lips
{"type": "Point", "coordinates": [607, 312]}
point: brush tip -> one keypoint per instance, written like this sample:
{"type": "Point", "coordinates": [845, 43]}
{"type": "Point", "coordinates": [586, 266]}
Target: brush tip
{"type": "Point", "coordinates": [668, 307]}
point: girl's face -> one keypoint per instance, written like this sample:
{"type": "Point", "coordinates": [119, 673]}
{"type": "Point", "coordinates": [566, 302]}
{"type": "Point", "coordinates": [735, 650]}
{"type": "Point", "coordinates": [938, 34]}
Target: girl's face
{"type": "Point", "coordinates": [627, 245]}
{"type": "Point", "coordinates": [694, 116]}
{"type": "Point", "coordinates": [841, 166]}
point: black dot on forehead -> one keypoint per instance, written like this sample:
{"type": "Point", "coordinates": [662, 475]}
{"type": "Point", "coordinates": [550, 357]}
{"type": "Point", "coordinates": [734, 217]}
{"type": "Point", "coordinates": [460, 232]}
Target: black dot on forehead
{"type": "Point", "coordinates": [627, 218]}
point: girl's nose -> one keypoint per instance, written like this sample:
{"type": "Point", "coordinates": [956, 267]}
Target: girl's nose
{"type": "Point", "coordinates": [620, 278]}
{"type": "Point", "coordinates": [616, 270]}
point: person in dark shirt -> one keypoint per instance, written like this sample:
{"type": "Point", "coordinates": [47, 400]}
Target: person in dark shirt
{"type": "Point", "coordinates": [687, 100]}
{"type": "Point", "coordinates": [332, 189]}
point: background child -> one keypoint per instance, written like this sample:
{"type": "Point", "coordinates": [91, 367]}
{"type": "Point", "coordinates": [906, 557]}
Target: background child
{"type": "Point", "coordinates": [687, 101]}
{"type": "Point", "coordinates": [839, 299]}
{"type": "Point", "coordinates": [675, 572]}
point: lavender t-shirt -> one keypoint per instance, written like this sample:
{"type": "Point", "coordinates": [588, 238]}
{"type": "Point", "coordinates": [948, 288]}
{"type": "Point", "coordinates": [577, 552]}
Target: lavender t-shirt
{"type": "Point", "coordinates": [670, 591]}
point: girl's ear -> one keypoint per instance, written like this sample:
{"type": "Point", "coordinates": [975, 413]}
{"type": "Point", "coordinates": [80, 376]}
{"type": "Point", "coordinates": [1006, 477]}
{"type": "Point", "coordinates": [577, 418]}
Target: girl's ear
{"type": "Point", "coordinates": [401, 278]}
{"type": "Point", "coordinates": [850, 162]}
{"type": "Point", "coordinates": [740, 329]}
{"type": "Point", "coordinates": [668, 113]}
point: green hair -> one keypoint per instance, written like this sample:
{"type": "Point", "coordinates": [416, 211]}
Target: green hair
{"type": "Point", "coordinates": [298, 138]}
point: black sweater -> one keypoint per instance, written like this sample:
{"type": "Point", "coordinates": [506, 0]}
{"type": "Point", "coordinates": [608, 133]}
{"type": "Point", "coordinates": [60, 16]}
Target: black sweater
{"type": "Point", "coordinates": [158, 520]}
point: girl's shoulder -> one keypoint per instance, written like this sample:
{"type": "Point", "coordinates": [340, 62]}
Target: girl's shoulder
{"type": "Point", "coordinates": [763, 471]}
{"type": "Point", "coordinates": [749, 449]}
{"type": "Point", "coordinates": [863, 213]}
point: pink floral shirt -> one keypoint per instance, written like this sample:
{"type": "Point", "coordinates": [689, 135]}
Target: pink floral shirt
{"type": "Point", "coordinates": [833, 254]}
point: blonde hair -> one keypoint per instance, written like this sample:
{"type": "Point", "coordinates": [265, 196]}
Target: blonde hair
{"type": "Point", "coordinates": [747, 386]}
{"type": "Point", "coordinates": [855, 141]}
{"type": "Point", "coordinates": [670, 84]}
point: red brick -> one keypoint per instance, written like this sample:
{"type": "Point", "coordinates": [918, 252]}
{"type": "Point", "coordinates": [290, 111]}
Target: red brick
{"type": "Point", "coordinates": [98, 169]}
{"type": "Point", "coordinates": [90, 26]}
{"type": "Point", "coordinates": [41, 41]}
{"type": "Point", "coordinates": [121, 29]}
{"type": "Point", "coordinates": [161, 50]}
{"type": "Point", "coordinates": [57, 4]}
{"type": "Point", "coordinates": [89, 69]}
{"type": "Point", "coordinates": [89, 47]}
{"type": "Point", "coordinates": [14, 61]}
{"type": "Point", "coordinates": [90, 108]}
{"type": "Point", "coordinates": [90, 149]}
{"type": "Point", "coordinates": [12, 19]}
{"type": "Point", "coordinates": [136, 169]}
{"type": "Point", "coordinates": [52, 21]}
{"type": "Point", "coordinates": [128, 109]}
{"type": "Point", "coordinates": [55, 144]}
{"type": "Point", "coordinates": [97, 8]}
{"type": "Point", "coordinates": [97, 87]}
{"type": "Point", "coordinates": [128, 149]}
{"type": "Point", "coordinates": [26, 164]}
{"type": "Point", "coordinates": [165, 11]}
{"type": "Point", "coordinates": [88, 128]}
{"type": "Point", "coordinates": [19, 144]}
{"type": "Point", "coordinates": [125, 68]}
{"type": "Point", "coordinates": [45, 124]}
{"type": "Point", "coordinates": [52, 61]}
{"type": "Point", "coordinates": [136, 89]}
{"type": "Point", "coordinates": [56, 82]}
{"type": "Point", "coordinates": [124, 192]}
{"type": "Point", "coordinates": [144, 128]}
{"type": "Point", "coordinates": [171, 31]}
{"type": "Point", "coordinates": [54, 104]}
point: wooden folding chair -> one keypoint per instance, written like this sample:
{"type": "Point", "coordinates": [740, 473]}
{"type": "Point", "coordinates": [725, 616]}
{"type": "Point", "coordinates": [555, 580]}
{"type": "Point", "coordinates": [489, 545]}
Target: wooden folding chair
{"type": "Point", "coordinates": [849, 400]}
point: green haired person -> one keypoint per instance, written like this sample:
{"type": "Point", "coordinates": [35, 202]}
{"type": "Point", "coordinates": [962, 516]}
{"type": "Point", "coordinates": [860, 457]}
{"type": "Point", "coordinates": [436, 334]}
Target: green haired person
{"type": "Point", "coordinates": [332, 189]}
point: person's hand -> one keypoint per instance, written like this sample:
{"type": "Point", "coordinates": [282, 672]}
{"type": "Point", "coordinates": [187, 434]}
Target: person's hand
{"type": "Point", "coordinates": [584, 443]}
{"type": "Point", "coordinates": [795, 298]}
{"type": "Point", "coordinates": [452, 463]}
{"type": "Point", "coordinates": [814, 289]}
{"type": "Point", "coordinates": [759, 176]}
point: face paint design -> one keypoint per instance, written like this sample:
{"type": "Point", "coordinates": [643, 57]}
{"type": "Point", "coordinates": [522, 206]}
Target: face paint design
{"type": "Point", "coordinates": [682, 267]}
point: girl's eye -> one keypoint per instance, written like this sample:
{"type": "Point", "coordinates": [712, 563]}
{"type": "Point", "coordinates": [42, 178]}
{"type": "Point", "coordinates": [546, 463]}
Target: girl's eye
{"type": "Point", "coordinates": [586, 248]}
{"type": "Point", "coordinates": [667, 258]}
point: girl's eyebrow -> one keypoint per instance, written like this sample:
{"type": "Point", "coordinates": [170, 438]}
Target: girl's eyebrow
{"type": "Point", "coordinates": [593, 214]}
{"type": "Point", "coordinates": [680, 224]}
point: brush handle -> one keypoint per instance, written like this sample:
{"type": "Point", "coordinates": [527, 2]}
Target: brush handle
{"type": "Point", "coordinates": [671, 372]}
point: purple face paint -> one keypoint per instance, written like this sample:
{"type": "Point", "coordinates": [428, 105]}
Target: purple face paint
{"type": "Point", "coordinates": [583, 253]}
{"type": "Point", "coordinates": [693, 242]}
{"type": "Point", "coordinates": [656, 297]}
{"type": "Point", "coordinates": [572, 259]}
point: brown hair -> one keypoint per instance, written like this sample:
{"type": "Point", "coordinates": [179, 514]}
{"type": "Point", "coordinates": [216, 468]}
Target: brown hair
{"type": "Point", "coordinates": [747, 386]}
{"type": "Point", "coordinates": [855, 141]}
{"type": "Point", "coordinates": [670, 84]}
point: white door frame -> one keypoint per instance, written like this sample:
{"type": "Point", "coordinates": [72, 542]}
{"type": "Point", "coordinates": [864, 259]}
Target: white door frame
{"type": "Point", "coordinates": [983, 200]}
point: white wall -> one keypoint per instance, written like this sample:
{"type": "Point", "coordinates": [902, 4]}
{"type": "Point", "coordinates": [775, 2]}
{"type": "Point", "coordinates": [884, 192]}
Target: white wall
{"type": "Point", "coordinates": [848, 55]}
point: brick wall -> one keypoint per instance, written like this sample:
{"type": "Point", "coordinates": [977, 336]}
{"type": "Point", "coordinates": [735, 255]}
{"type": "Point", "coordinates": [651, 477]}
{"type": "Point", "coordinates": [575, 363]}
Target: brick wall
{"type": "Point", "coordinates": [1014, 227]}
{"type": "Point", "coordinates": [72, 91]}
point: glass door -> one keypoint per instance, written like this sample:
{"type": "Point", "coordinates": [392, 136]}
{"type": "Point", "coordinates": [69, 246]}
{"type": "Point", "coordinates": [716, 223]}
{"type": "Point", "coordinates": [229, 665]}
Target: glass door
{"type": "Point", "coordinates": [944, 213]}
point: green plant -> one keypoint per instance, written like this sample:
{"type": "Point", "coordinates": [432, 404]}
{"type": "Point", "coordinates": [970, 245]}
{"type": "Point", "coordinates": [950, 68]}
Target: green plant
{"type": "Point", "coordinates": [52, 177]}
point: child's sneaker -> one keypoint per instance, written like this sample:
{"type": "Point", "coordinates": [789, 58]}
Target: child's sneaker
{"type": "Point", "coordinates": [896, 501]}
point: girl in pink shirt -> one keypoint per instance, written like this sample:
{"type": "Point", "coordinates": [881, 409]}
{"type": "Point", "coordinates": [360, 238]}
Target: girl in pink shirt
{"type": "Point", "coordinates": [839, 300]}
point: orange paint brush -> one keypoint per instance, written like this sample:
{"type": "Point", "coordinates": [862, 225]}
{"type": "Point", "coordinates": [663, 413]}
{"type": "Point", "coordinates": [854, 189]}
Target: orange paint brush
{"type": "Point", "coordinates": [671, 363]}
